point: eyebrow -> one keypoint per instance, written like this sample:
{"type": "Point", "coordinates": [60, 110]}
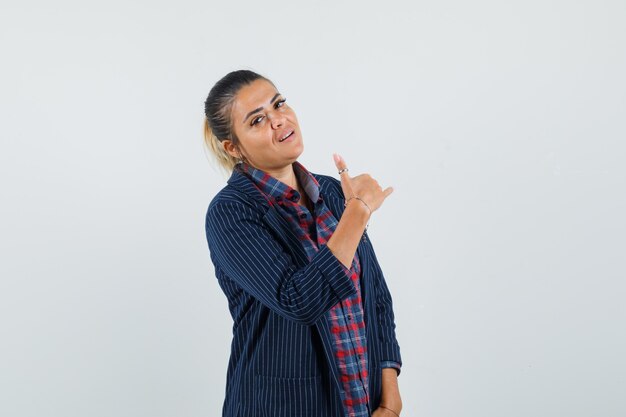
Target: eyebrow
{"type": "Point", "coordinates": [260, 108]}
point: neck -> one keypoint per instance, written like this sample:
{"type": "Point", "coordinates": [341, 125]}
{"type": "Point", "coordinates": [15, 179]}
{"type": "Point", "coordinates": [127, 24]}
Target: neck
{"type": "Point", "coordinates": [285, 175]}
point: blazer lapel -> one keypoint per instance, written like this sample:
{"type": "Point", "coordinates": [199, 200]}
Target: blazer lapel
{"type": "Point", "coordinates": [286, 234]}
{"type": "Point", "coordinates": [272, 217]}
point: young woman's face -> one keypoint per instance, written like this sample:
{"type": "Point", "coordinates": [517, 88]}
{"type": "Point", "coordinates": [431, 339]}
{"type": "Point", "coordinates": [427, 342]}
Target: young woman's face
{"type": "Point", "coordinates": [261, 119]}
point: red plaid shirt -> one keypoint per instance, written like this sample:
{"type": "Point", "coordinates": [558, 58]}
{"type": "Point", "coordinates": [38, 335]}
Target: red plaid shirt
{"type": "Point", "coordinates": [346, 317]}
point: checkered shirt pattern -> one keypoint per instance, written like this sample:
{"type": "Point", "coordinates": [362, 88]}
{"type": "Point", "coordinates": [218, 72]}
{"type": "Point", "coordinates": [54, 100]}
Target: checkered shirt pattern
{"type": "Point", "coordinates": [346, 317]}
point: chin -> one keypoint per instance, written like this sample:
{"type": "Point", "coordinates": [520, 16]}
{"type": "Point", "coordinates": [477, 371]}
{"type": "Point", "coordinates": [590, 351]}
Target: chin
{"type": "Point", "coordinates": [299, 151]}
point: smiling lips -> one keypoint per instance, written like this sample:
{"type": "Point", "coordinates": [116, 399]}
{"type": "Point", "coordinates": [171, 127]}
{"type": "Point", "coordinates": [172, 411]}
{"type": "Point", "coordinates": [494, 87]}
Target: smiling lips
{"type": "Point", "coordinates": [286, 136]}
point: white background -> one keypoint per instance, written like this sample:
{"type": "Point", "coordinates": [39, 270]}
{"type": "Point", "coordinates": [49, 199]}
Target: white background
{"type": "Point", "coordinates": [501, 126]}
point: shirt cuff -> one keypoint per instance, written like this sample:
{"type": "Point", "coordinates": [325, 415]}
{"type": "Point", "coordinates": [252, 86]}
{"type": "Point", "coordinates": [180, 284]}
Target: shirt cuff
{"type": "Point", "coordinates": [391, 364]}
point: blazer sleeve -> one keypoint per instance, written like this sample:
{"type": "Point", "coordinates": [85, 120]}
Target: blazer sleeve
{"type": "Point", "coordinates": [243, 247]}
{"type": "Point", "coordinates": [390, 349]}
{"type": "Point", "coordinates": [391, 364]}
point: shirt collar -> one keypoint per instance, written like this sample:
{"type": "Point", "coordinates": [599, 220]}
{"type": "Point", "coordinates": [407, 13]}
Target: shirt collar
{"type": "Point", "coordinates": [275, 188]}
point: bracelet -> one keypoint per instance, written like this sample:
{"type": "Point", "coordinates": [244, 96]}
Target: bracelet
{"type": "Point", "coordinates": [345, 204]}
{"type": "Point", "coordinates": [358, 198]}
{"type": "Point", "coordinates": [382, 406]}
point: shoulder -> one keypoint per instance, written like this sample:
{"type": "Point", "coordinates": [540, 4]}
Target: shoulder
{"type": "Point", "coordinates": [232, 204]}
{"type": "Point", "coordinates": [228, 194]}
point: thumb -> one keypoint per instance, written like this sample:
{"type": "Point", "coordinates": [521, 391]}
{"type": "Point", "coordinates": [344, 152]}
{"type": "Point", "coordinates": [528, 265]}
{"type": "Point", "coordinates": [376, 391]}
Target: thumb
{"type": "Point", "coordinates": [340, 163]}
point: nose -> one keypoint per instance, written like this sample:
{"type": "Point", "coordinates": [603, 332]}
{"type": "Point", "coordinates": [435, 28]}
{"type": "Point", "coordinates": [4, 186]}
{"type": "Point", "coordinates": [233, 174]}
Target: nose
{"type": "Point", "coordinates": [276, 119]}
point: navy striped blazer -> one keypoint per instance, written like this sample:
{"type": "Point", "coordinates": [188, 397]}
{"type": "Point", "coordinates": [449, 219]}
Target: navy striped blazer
{"type": "Point", "coordinates": [281, 362]}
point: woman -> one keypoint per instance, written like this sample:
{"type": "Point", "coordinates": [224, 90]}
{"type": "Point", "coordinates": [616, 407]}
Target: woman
{"type": "Point", "coordinates": [314, 330]}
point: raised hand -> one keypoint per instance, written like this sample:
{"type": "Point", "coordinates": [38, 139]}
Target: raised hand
{"type": "Point", "coordinates": [363, 186]}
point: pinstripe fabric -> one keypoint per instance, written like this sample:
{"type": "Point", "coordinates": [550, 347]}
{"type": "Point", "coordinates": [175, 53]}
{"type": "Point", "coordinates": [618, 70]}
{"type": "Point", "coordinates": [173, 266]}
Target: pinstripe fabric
{"type": "Point", "coordinates": [285, 359]}
{"type": "Point", "coordinates": [346, 317]}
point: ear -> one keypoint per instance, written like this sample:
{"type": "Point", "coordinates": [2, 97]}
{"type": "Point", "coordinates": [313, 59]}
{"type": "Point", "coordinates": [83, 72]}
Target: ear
{"type": "Point", "coordinates": [230, 148]}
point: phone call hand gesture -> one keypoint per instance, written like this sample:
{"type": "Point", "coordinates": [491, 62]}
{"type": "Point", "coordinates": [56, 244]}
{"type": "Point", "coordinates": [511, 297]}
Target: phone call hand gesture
{"type": "Point", "coordinates": [363, 186]}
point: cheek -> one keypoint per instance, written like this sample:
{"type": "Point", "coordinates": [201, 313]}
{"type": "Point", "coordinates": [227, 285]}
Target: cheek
{"type": "Point", "coordinates": [261, 140]}
{"type": "Point", "coordinates": [293, 117]}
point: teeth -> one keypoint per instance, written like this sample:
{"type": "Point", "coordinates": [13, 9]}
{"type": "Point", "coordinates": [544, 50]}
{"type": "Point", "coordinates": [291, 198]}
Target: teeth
{"type": "Point", "coordinates": [286, 136]}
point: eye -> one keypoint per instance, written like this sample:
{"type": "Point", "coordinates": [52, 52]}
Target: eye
{"type": "Point", "coordinates": [256, 120]}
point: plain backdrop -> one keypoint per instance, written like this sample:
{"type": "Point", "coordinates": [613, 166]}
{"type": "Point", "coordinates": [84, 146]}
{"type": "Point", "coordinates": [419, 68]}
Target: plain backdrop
{"type": "Point", "coordinates": [501, 126]}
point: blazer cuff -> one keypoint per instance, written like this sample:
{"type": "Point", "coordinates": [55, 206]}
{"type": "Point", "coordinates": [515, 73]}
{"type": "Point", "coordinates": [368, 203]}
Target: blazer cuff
{"type": "Point", "coordinates": [390, 351]}
{"type": "Point", "coordinates": [391, 364]}
{"type": "Point", "coordinates": [337, 275]}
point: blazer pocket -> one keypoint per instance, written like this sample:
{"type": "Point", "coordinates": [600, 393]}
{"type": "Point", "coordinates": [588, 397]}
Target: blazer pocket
{"type": "Point", "coordinates": [289, 397]}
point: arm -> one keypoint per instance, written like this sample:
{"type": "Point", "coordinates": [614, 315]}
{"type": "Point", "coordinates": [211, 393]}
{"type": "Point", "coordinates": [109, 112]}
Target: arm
{"type": "Point", "coordinates": [390, 395]}
{"type": "Point", "coordinates": [391, 356]}
{"type": "Point", "coordinates": [391, 361]}
{"type": "Point", "coordinates": [243, 247]}
{"type": "Point", "coordinates": [384, 308]}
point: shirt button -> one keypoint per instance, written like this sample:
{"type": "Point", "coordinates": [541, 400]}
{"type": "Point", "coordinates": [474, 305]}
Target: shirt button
{"type": "Point", "coordinates": [294, 197]}
{"type": "Point", "coordinates": [303, 216]}
{"type": "Point", "coordinates": [278, 198]}
{"type": "Point", "coordinates": [349, 317]}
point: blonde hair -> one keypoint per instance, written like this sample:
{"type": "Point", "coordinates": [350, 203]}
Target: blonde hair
{"type": "Point", "coordinates": [223, 159]}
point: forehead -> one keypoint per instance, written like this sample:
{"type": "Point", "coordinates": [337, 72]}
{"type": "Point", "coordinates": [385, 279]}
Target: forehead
{"type": "Point", "coordinates": [257, 94]}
